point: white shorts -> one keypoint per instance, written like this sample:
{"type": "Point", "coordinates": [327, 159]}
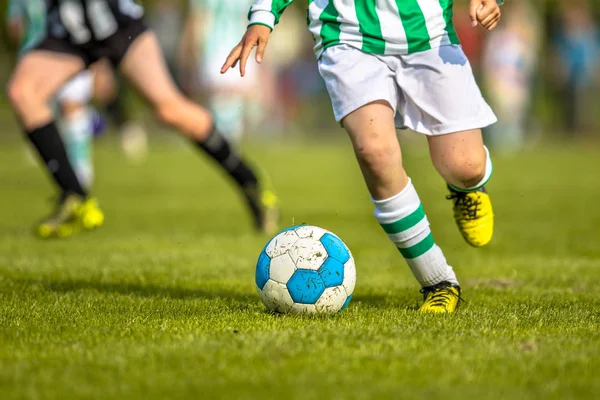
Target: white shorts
{"type": "Point", "coordinates": [433, 92]}
{"type": "Point", "coordinates": [78, 90]}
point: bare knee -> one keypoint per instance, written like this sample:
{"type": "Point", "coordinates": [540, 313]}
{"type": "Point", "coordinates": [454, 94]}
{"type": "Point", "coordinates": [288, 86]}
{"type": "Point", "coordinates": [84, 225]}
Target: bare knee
{"type": "Point", "coordinates": [468, 171]}
{"type": "Point", "coordinates": [19, 95]}
{"type": "Point", "coordinates": [169, 113]}
{"type": "Point", "coordinates": [185, 116]}
{"type": "Point", "coordinates": [377, 155]}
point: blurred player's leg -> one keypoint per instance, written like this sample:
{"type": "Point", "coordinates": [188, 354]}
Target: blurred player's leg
{"type": "Point", "coordinates": [30, 90]}
{"type": "Point", "coordinates": [144, 66]}
{"type": "Point", "coordinates": [464, 162]}
{"type": "Point", "coordinates": [76, 125]}
{"type": "Point", "coordinates": [110, 92]}
{"type": "Point", "coordinates": [229, 110]}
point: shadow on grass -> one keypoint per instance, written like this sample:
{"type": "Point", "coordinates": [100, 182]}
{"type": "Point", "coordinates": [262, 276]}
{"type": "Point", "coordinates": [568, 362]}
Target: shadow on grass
{"type": "Point", "coordinates": [383, 301]}
{"type": "Point", "coordinates": [148, 290]}
{"type": "Point", "coordinates": [138, 289]}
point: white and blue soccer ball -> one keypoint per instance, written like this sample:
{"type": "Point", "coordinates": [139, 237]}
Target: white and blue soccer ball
{"type": "Point", "coordinates": [305, 270]}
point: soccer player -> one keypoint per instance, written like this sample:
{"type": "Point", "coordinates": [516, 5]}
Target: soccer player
{"type": "Point", "coordinates": [27, 24]}
{"type": "Point", "coordinates": [383, 57]}
{"type": "Point", "coordinates": [214, 26]}
{"type": "Point", "coordinates": [78, 33]}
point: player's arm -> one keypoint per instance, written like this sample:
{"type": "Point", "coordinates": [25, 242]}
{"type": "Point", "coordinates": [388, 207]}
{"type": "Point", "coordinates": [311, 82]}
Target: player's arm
{"type": "Point", "coordinates": [485, 13]}
{"type": "Point", "coordinates": [263, 16]}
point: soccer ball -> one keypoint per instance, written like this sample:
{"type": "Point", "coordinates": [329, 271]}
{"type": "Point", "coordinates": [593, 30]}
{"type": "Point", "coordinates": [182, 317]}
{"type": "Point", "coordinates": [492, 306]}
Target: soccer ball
{"type": "Point", "coordinates": [305, 270]}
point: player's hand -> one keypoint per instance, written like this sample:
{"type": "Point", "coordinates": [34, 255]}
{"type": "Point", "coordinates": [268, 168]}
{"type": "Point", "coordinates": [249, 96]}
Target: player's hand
{"type": "Point", "coordinates": [256, 36]}
{"type": "Point", "coordinates": [485, 13]}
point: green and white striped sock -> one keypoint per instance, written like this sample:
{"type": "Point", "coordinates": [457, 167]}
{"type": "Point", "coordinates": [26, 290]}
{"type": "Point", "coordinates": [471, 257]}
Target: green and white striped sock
{"type": "Point", "coordinates": [77, 135]}
{"type": "Point", "coordinates": [403, 219]}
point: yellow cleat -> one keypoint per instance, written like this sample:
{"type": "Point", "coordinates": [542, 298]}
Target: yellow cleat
{"type": "Point", "coordinates": [441, 298]}
{"type": "Point", "coordinates": [270, 212]}
{"type": "Point", "coordinates": [72, 214]}
{"type": "Point", "coordinates": [474, 216]}
{"type": "Point", "coordinates": [263, 204]}
{"type": "Point", "coordinates": [90, 215]}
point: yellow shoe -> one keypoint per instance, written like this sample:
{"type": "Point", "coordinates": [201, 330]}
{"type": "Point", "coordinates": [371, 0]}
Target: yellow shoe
{"type": "Point", "coordinates": [89, 215]}
{"type": "Point", "coordinates": [72, 214]}
{"type": "Point", "coordinates": [270, 212]}
{"type": "Point", "coordinates": [441, 298]}
{"type": "Point", "coordinates": [474, 216]}
{"type": "Point", "coordinates": [264, 205]}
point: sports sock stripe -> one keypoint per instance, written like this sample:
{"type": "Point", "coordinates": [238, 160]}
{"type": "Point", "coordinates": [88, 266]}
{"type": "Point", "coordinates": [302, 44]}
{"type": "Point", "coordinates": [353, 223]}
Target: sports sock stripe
{"type": "Point", "coordinates": [403, 218]}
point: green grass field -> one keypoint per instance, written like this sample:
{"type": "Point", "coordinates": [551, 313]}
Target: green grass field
{"type": "Point", "coordinates": [161, 302]}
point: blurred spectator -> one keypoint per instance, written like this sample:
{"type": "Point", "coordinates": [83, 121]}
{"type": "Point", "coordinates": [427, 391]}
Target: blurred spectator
{"type": "Point", "coordinates": [213, 28]}
{"type": "Point", "coordinates": [509, 62]}
{"type": "Point", "coordinates": [166, 18]}
{"type": "Point", "coordinates": [286, 95]}
{"type": "Point", "coordinates": [577, 45]}
{"type": "Point", "coordinates": [471, 39]}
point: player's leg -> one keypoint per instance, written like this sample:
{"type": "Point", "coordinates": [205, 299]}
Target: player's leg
{"type": "Point", "coordinates": [363, 91]}
{"type": "Point", "coordinates": [30, 91]}
{"type": "Point", "coordinates": [76, 125]}
{"type": "Point", "coordinates": [442, 100]}
{"type": "Point", "coordinates": [110, 92]}
{"type": "Point", "coordinates": [229, 110]}
{"type": "Point", "coordinates": [464, 162]}
{"type": "Point", "coordinates": [398, 208]}
{"type": "Point", "coordinates": [103, 89]}
{"type": "Point", "coordinates": [144, 66]}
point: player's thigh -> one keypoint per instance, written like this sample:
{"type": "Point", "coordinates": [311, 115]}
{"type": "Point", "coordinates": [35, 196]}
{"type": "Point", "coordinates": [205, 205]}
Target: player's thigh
{"type": "Point", "coordinates": [440, 94]}
{"type": "Point", "coordinates": [145, 67]}
{"type": "Point", "coordinates": [354, 79]}
{"type": "Point", "coordinates": [40, 74]}
{"type": "Point", "coordinates": [371, 127]}
{"type": "Point", "coordinates": [104, 82]}
{"type": "Point", "coordinates": [464, 145]}
{"type": "Point", "coordinates": [459, 155]}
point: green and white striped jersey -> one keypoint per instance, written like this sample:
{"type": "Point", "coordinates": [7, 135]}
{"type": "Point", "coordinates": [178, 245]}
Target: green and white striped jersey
{"type": "Point", "coordinates": [32, 14]}
{"type": "Point", "coordinates": [374, 26]}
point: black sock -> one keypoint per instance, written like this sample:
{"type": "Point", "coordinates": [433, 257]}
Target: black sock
{"type": "Point", "coordinates": [51, 149]}
{"type": "Point", "coordinates": [221, 151]}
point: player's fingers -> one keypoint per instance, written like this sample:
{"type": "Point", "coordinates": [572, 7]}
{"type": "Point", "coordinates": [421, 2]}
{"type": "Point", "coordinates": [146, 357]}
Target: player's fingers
{"type": "Point", "coordinates": [490, 19]}
{"type": "Point", "coordinates": [260, 50]}
{"type": "Point", "coordinates": [493, 24]}
{"type": "Point", "coordinates": [475, 5]}
{"type": "Point", "coordinates": [232, 58]}
{"type": "Point", "coordinates": [487, 11]}
{"type": "Point", "coordinates": [246, 50]}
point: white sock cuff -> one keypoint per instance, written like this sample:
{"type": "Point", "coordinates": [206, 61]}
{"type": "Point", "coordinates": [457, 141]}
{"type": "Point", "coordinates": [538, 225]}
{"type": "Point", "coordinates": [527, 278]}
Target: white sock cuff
{"type": "Point", "coordinates": [489, 169]}
{"type": "Point", "coordinates": [398, 206]}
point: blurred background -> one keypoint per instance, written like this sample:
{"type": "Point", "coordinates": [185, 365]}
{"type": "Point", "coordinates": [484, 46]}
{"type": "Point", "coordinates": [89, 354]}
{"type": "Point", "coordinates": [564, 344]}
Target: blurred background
{"type": "Point", "coordinates": [540, 70]}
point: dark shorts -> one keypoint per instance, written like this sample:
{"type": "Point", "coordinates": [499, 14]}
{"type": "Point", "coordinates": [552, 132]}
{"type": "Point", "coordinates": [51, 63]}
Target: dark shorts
{"type": "Point", "coordinates": [113, 49]}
